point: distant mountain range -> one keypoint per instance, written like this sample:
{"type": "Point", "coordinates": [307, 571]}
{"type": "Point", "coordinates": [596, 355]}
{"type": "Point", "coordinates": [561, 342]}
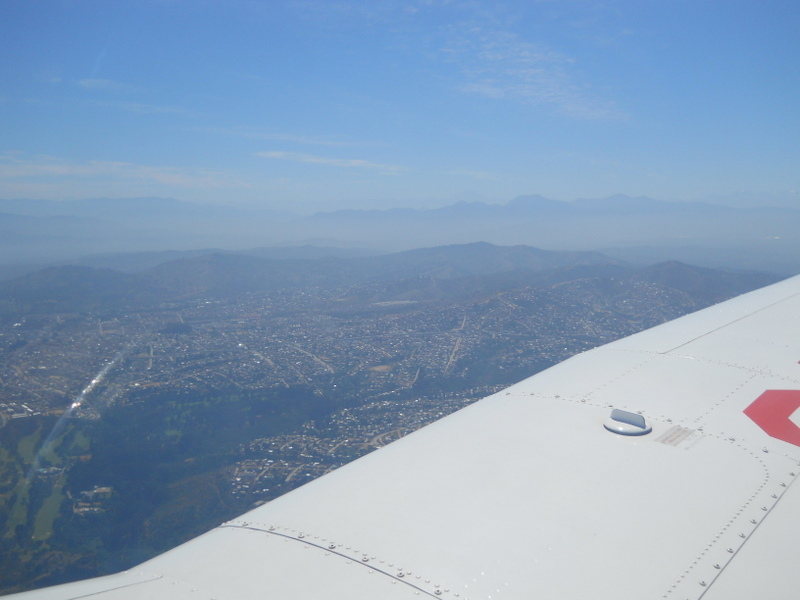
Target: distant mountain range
{"type": "Point", "coordinates": [769, 235]}
{"type": "Point", "coordinates": [429, 274]}
{"type": "Point", "coordinates": [766, 238]}
{"type": "Point", "coordinates": [49, 231]}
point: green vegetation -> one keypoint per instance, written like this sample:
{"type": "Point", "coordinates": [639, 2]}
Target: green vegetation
{"type": "Point", "coordinates": [46, 516]}
{"type": "Point", "coordinates": [27, 446]}
{"type": "Point", "coordinates": [32, 497]}
{"type": "Point", "coordinates": [165, 459]}
{"type": "Point", "coordinates": [18, 515]}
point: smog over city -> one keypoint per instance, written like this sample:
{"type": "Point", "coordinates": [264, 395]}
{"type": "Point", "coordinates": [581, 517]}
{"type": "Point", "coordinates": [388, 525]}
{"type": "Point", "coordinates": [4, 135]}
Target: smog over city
{"type": "Point", "coordinates": [244, 243]}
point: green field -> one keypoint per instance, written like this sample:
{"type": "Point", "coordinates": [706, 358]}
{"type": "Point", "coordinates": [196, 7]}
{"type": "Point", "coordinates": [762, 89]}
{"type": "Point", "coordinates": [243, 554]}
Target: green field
{"type": "Point", "coordinates": [165, 461]}
{"type": "Point", "coordinates": [47, 514]}
{"type": "Point", "coordinates": [35, 456]}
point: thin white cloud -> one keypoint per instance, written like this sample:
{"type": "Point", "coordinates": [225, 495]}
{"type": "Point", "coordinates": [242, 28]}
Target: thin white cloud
{"type": "Point", "coordinates": [491, 59]}
{"type": "Point", "coordinates": [499, 64]}
{"type": "Point", "coordinates": [350, 163]}
{"type": "Point", "coordinates": [480, 175]}
{"type": "Point", "coordinates": [52, 169]}
{"type": "Point", "coordinates": [256, 134]}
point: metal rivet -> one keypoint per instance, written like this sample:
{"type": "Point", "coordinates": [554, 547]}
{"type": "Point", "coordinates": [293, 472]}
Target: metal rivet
{"type": "Point", "coordinates": [332, 546]}
{"type": "Point", "coordinates": [703, 583]}
{"type": "Point", "coordinates": [716, 566]}
{"type": "Point", "coordinates": [401, 574]}
{"type": "Point", "coordinates": [365, 559]}
{"type": "Point", "coordinates": [730, 550]}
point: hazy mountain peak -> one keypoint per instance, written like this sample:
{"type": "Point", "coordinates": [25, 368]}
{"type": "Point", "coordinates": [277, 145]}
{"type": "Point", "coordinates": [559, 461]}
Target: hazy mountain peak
{"type": "Point", "coordinates": [620, 202]}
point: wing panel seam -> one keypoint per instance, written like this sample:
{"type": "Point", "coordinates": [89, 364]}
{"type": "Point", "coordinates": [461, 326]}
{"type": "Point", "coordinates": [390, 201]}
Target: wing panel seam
{"type": "Point", "coordinates": [437, 593]}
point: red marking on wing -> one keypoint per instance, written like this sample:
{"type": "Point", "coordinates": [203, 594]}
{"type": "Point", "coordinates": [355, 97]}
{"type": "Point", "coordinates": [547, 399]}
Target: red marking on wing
{"type": "Point", "coordinates": [771, 411]}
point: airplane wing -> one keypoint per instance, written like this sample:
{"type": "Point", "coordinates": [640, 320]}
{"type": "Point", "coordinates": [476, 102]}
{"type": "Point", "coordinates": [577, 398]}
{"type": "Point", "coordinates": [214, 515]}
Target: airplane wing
{"type": "Point", "coordinates": [540, 492]}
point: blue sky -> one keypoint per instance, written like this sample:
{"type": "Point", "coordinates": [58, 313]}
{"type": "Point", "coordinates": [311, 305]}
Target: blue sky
{"type": "Point", "coordinates": [319, 105]}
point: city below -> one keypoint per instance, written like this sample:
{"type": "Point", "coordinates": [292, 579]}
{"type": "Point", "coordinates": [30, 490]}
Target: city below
{"type": "Point", "coordinates": [129, 428]}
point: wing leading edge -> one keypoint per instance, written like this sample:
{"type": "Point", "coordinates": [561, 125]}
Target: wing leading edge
{"type": "Point", "coordinates": [527, 494]}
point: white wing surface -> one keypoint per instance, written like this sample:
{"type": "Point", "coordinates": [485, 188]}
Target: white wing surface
{"type": "Point", "coordinates": [527, 494]}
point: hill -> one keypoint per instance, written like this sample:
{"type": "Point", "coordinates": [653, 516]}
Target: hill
{"type": "Point", "coordinates": [423, 274]}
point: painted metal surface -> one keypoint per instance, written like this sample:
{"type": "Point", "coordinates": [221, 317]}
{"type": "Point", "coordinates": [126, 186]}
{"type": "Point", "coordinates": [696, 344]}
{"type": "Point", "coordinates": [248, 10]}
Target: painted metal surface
{"type": "Point", "coordinates": [773, 410]}
{"type": "Point", "coordinates": [526, 495]}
